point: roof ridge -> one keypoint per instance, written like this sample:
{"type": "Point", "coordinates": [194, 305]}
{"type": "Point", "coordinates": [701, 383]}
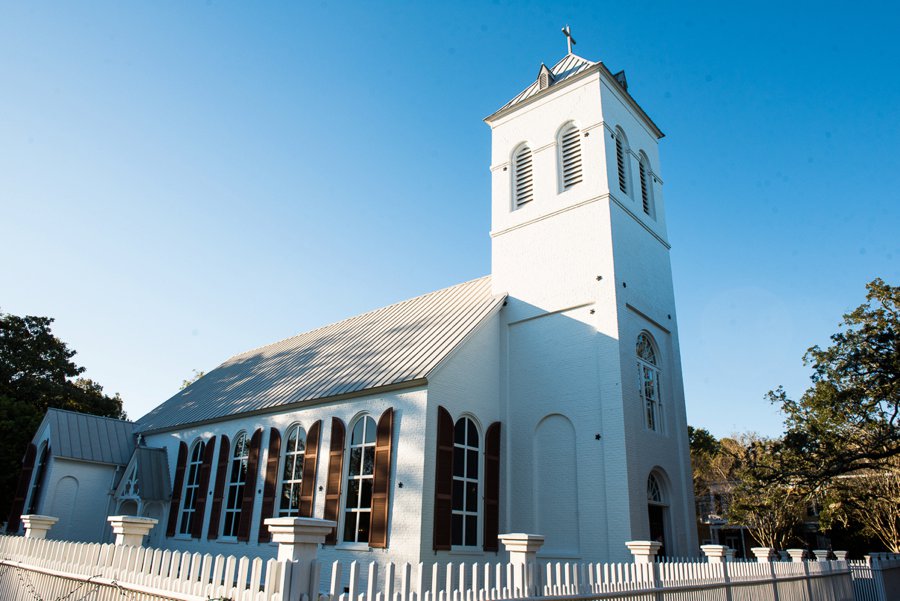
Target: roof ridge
{"type": "Point", "coordinates": [115, 419]}
{"type": "Point", "coordinates": [352, 317]}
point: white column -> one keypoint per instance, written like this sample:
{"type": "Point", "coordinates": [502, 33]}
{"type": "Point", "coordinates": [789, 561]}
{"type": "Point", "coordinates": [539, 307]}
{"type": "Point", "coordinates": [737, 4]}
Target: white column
{"type": "Point", "coordinates": [298, 540]}
{"type": "Point", "coordinates": [715, 553]}
{"type": "Point", "coordinates": [130, 530]}
{"type": "Point", "coordinates": [522, 549]}
{"type": "Point", "coordinates": [797, 555]}
{"type": "Point", "coordinates": [37, 526]}
{"type": "Point", "coordinates": [644, 551]}
{"type": "Point", "coordinates": [763, 554]}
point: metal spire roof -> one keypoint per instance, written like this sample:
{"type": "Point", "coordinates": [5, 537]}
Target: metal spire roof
{"type": "Point", "coordinates": [397, 344]}
{"type": "Point", "coordinates": [570, 65]}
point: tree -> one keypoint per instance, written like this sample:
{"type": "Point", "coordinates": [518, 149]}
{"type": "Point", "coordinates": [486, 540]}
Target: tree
{"type": "Point", "coordinates": [848, 421]}
{"type": "Point", "coordinates": [197, 375]}
{"type": "Point", "coordinates": [36, 373]}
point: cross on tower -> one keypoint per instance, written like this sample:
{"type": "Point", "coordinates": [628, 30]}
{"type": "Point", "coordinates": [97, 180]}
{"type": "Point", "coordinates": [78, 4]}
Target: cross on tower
{"type": "Point", "coordinates": [570, 41]}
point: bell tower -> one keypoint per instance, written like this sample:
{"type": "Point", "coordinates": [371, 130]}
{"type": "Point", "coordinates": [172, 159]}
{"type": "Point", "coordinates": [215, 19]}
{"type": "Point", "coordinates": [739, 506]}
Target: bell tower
{"type": "Point", "coordinates": [591, 385]}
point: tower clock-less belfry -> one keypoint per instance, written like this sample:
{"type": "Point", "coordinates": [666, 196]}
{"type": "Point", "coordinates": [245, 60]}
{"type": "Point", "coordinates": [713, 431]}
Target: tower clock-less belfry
{"type": "Point", "coordinates": [591, 392]}
{"type": "Point", "coordinates": [545, 398]}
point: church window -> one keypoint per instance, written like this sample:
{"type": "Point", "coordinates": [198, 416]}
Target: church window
{"type": "Point", "coordinates": [646, 185]}
{"type": "Point", "coordinates": [648, 375]}
{"type": "Point", "coordinates": [522, 176]}
{"type": "Point", "coordinates": [237, 480]}
{"type": "Point", "coordinates": [570, 156]}
{"type": "Point", "coordinates": [292, 471]}
{"type": "Point", "coordinates": [622, 160]}
{"type": "Point", "coordinates": [39, 471]}
{"type": "Point", "coordinates": [360, 478]}
{"type": "Point", "coordinates": [191, 484]}
{"type": "Point", "coordinates": [465, 499]}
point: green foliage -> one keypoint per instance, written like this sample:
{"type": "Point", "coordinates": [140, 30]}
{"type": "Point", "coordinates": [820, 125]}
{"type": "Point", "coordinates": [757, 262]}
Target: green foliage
{"type": "Point", "coordinates": [36, 373]}
{"type": "Point", "coordinates": [849, 419]}
{"type": "Point", "coordinates": [197, 375]}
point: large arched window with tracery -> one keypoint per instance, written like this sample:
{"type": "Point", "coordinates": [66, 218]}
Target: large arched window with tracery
{"type": "Point", "coordinates": [292, 471]}
{"type": "Point", "coordinates": [648, 374]}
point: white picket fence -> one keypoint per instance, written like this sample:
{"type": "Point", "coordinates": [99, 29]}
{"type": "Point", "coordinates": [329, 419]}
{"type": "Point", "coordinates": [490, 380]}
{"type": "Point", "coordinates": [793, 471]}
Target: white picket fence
{"type": "Point", "coordinates": [46, 570]}
{"type": "Point", "coordinates": [877, 579]}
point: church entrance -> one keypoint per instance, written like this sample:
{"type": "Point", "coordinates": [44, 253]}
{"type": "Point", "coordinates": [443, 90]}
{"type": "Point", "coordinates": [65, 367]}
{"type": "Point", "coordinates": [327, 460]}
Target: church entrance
{"type": "Point", "coordinates": [657, 512]}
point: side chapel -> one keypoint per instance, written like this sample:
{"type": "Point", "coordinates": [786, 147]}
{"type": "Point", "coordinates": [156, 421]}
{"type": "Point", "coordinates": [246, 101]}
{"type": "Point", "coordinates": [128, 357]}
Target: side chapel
{"type": "Point", "coordinates": [545, 398]}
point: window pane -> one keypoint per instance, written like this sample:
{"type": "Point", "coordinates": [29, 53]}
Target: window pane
{"type": "Point", "coordinates": [362, 528]}
{"type": "Point", "coordinates": [473, 434]}
{"type": "Point", "coordinates": [471, 531]}
{"type": "Point", "coordinates": [472, 464]}
{"type": "Point", "coordinates": [370, 433]}
{"type": "Point", "coordinates": [366, 498]}
{"type": "Point", "coordinates": [458, 489]}
{"type": "Point", "coordinates": [355, 460]}
{"type": "Point", "coordinates": [352, 494]}
{"type": "Point", "coordinates": [459, 462]}
{"type": "Point", "coordinates": [357, 436]}
{"type": "Point", "coordinates": [459, 432]}
{"type": "Point", "coordinates": [292, 440]}
{"type": "Point", "coordinates": [298, 467]}
{"type": "Point", "coordinates": [472, 496]}
{"type": "Point", "coordinates": [457, 530]}
{"type": "Point", "coordinates": [369, 463]}
{"type": "Point", "coordinates": [349, 526]}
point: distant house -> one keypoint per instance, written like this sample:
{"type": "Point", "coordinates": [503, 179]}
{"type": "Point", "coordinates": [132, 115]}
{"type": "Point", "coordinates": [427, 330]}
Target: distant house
{"type": "Point", "coordinates": [546, 397]}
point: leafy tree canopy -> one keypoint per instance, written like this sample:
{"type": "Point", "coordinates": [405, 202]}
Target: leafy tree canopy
{"type": "Point", "coordinates": [849, 419]}
{"type": "Point", "coordinates": [36, 373]}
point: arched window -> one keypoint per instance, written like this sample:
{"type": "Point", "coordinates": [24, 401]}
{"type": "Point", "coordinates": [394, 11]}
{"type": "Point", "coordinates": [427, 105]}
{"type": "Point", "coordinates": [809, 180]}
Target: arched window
{"type": "Point", "coordinates": [191, 484]}
{"type": "Point", "coordinates": [622, 160]}
{"type": "Point", "coordinates": [466, 478]}
{"type": "Point", "coordinates": [570, 156]}
{"type": "Point", "coordinates": [646, 184]}
{"type": "Point", "coordinates": [657, 511]}
{"type": "Point", "coordinates": [237, 479]}
{"type": "Point", "coordinates": [360, 477]}
{"type": "Point", "coordinates": [648, 374]}
{"type": "Point", "coordinates": [522, 176]}
{"type": "Point", "coordinates": [292, 471]}
{"type": "Point", "coordinates": [40, 470]}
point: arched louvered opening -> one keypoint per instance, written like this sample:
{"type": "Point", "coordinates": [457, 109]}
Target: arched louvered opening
{"type": "Point", "coordinates": [523, 177]}
{"type": "Point", "coordinates": [646, 185]}
{"type": "Point", "coordinates": [622, 159]}
{"type": "Point", "coordinates": [570, 156]}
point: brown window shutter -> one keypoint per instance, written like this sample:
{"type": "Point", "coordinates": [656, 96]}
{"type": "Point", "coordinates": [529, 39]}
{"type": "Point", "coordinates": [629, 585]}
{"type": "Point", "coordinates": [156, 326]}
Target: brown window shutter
{"type": "Point", "coordinates": [268, 504]}
{"type": "Point", "coordinates": [219, 491]}
{"type": "Point", "coordinates": [243, 530]}
{"type": "Point", "coordinates": [310, 464]}
{"type": "Point", "coordinates": [381, 486]}
{"type": "Point", "coordinates": [443, 482]}
{"type": "Point", "coordinates": [175, 505]}
{"type": "Point", "coordinates": [18, 504]}
{"type": "Point", "coordinates": [335, 477]}
{"type": "Point", "coordinates": [203, 489]}
{"type": "Point", "coordinates": [492, 487]}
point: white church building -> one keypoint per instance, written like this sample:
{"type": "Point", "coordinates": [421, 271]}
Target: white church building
{"type": "Point", "coordinates": [545, 398]}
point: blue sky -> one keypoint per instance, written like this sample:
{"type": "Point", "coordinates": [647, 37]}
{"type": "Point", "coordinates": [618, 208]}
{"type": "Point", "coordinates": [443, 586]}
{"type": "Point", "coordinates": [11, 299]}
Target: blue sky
{"type": "Point", "coordinates": [180, 182]}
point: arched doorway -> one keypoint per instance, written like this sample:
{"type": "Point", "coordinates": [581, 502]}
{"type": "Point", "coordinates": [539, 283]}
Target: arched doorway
{"type": "Point", "coordinates": [657, 511]}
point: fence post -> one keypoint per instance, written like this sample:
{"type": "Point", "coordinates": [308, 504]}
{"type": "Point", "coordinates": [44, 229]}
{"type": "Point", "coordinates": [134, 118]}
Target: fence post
{"type": "Point", "coordinates": [821, 554]}
{"type": "Point", "coordinates": [765, 555]}
{"type": "Point", "coordinates": [37, 526]}
{"type": "Point", "coordinates": [644, 552]}
{"type": "Point", "coordinates": [799, 556]}
{"type": "Point", "coordinates": [130, 530]}
{"type": "Point", "coordinates": [840, 555]}
{"type": "Point", "coordinates": [298, 540]}
{"type": "Point", "coordinates": [522, 549]}
{"type": "Point", "coordinates": [718, 554]}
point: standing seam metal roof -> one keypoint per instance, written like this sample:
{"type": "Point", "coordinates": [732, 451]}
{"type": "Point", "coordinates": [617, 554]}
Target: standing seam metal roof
{"type": "Point", "coordinates": [90, 437]}
{"type": "Point", "coordinates": [570, 65]}
{"type": "Point", "coordinates": [388, 346]}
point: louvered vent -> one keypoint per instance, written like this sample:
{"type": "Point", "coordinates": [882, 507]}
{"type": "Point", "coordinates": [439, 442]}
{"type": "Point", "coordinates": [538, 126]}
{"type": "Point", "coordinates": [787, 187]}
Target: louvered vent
{"type": "Point", "coordinates": [571, 157]}
{"type": "Point", "coordinates": [543, 81]}
{"type": "Point", "coordinates": [523, 179]}
{"type": "Point", "coordinates": [645, 193]}
{"type": "Point", "coordinates": [620, 162]}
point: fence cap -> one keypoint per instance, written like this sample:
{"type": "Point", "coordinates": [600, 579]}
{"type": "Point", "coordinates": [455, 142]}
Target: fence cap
{"type": "Point", "coordinates": [36, 519]}
{"type": "Point", "coordinates": [521, 542]}
{"type": "Point", "coordinates": [299, 530]}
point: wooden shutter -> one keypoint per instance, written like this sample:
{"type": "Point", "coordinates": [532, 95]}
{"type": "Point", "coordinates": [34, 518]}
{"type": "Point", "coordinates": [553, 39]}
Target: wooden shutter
{"type": "Point", "coordinates": [381, 486]}
{"type": "Point", "coordinates": [492, 487]}
{"type": "Point", "coordinates": [570, 157]}
{"type": "Point", "coordinates": [310, 465]}
{"type": "Point", "coordinates": [335, 476]}
{"type": "Point", "coordinates": [18, 504]}
{"type": "Point", "coordinates": [268, 504]}
{"type": "Point", "coordinates": [177, 487]}
{"type": "Point", "coordinates": [243, 530]}
{"type": "Point", "coordinates": [203, 489]}
{"type": "Point", "coordinates": [219, 491]}
{"type": "Point", "coordinates": [443, 482]}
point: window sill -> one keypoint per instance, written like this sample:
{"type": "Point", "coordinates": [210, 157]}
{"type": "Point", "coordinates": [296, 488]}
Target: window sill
{"type": "Point", "coordinates": [228, 540]}
{"type": "Point", "coordinates": [471, 551]}
{"type": "Point", "coordinates": [352, 547]}
{"type": "Point", "coordinates": [182, 537]}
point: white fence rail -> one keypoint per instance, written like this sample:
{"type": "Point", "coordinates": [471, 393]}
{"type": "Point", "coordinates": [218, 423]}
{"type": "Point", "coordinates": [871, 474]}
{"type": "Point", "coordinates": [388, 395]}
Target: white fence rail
{"type": "Point", "coordinates": [46, 570]}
